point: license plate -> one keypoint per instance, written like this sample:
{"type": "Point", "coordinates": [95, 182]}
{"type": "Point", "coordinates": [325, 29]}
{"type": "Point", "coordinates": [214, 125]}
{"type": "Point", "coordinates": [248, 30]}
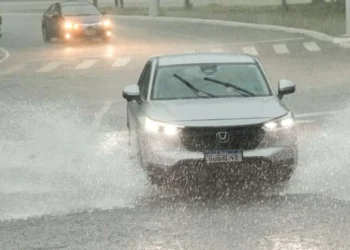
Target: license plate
{"type": "Point", "coordinates": [90, 32]}
{"type": "Point", "coordinates": [223, 156]}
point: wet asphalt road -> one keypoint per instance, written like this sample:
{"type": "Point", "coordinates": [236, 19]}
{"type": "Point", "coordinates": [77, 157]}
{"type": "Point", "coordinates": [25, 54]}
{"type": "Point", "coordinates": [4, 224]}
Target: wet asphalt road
{"type": "Point", "coordinates": [65, 179]}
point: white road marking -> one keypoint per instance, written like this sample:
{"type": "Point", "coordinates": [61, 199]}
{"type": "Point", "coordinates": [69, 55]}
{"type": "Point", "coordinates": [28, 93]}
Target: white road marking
{"type": "Point", "coordinates": [191, 37]}
{"type": "Point", "coordinates": [13, 69]}
{"type": "Point", "coordinates": [304, 121]}
{"type": "Point", "coordinates": [217, 50]}
{"type": "Point", "coordinates": [22, 3]}
{"type": "Point", "coordinates": [86, 64]}
{"type": "Point", "coordinates": [121, 62]}
{"type": "Point", "coordinates": [311, 46]}
{"type": "Point", "coordinates": [49, 67]}
{"type": "Point", "coordinates": [190, 51]}
{"type": "Point", "coordinates": [99, 116]}
{"type": "Point", "coordinates": [332, 112]}
{"type": "Point", "coordinates": [281, 49]}
{"type": "Point", "coordinates": [7, 55]}
{"type": "Point", "coordinates": [254, 42]}
{"type": "Point", "coordinates": [250, 50]}
{"type": "Point", "coordinates": [21, 14]}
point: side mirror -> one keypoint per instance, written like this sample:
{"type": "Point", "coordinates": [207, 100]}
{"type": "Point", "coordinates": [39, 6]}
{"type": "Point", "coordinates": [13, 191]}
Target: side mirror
{"type": "Point", "coordinates": [131, 93]}
{"type": "Point", "coordinates": [285, 87]}
{"type": "Point", "coordinates": [55, 14]}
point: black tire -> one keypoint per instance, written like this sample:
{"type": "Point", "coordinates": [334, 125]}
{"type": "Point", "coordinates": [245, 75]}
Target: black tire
{"type": "Point", "coordinates": [46, 35]}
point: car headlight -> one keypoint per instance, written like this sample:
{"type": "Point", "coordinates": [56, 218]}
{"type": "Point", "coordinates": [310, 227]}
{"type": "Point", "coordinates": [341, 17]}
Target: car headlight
{"type": "Point", "coordinates": [160, 127]}
{"type": "Point", "coordinates": [68, 25]}
{"type": "Point", "coordinates": [283, 122]}
{"type": "Point", "coordinates": [106, 23]}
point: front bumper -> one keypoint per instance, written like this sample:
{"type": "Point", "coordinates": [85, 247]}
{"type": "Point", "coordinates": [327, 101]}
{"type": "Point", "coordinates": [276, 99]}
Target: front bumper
{"type": "Point", "coordinates": [85, 33]}
{"type": "Point", "coordinates": [276, 147]}
{"type": "Point", "coordinates": [177, 159]}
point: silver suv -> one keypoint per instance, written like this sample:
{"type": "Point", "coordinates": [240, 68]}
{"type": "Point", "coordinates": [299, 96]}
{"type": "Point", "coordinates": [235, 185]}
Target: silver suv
{"type": "Point", "coordinates": [207, 111]}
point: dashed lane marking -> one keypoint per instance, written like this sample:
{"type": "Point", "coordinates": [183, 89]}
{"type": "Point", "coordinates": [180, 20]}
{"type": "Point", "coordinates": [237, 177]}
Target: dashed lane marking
{"type": "Point", "coordinates": [281, 49]}
{"type": "Point", "coordinates": [86, 64]}
{"type": "Point", "coordinates": [121, 62]}
{"type": "Point", "coordinates": [250, 50]}
{"type": "Point", "coordinates": [311, 46]}
{"type": "Point", "coordinates": [49, 67]}
{"type": "Point", "coordinates": [217, 50]}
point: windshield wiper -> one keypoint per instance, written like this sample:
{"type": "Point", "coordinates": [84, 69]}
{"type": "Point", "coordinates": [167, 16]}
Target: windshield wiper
{"type": "Point", "coordinates": [193, 88]}
{"type": "Point", "coordinates": [243, 92]}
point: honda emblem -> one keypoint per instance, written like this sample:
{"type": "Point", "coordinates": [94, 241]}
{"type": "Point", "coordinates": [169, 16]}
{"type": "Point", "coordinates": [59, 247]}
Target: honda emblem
{"type": "Point", "coordinates": [222, 137]}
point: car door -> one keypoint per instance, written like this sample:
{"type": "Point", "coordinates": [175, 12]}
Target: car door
{"type": "Point", "coordinates": [47, 18]}
{"type": "Point", "coordinates": [55, 20]}
{"type": "Point", "coordinates": [136, 108]}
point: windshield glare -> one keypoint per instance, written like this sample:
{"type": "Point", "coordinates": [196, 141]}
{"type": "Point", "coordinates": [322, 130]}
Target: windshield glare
{"type": "Point", "coordinates": [79, 10]}
{"type": "Point", "coordinates": [244, 76]}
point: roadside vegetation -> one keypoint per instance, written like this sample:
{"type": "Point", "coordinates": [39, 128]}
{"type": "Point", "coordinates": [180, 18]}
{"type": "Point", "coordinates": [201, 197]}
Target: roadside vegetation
{"type": "Point", "coordinates": [326, 17]}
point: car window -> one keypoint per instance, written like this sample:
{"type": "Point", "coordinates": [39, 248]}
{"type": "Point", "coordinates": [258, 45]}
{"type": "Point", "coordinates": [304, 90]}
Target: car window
{"type": "Point", "coordinates": [56, 8]}
{"type": "Point", "coordinates": [51, 9]}
{"type": "Point", "coordinates": [79, 10]}
{"type": "Point", "coordinates": [205, 77]}
{"type": "Point", "coordinates": [145, 79]}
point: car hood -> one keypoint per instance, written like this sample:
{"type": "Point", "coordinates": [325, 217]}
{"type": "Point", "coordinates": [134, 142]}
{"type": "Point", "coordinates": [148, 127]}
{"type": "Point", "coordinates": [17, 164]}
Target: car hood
{"type": "Point", "coordinates": [85, 19]}
{"type": "Point", "coordinates": [220, 111]}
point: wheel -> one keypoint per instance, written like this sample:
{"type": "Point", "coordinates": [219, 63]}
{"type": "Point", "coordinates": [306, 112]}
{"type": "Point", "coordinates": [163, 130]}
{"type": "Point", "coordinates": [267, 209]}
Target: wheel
{"type": "Point", "coordinates": [46, 35]}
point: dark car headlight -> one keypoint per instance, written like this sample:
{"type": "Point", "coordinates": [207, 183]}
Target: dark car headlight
{"type": "Point", "coordinates": [156, 127]}
{"type": "Point", "coordinates": [106, 23]}
{"type": "Point", "coordinates": [284, 122]}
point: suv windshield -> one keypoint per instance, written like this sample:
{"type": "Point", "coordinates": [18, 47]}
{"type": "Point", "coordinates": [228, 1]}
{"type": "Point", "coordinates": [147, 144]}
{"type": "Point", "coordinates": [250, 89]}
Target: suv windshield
{"type": "Point", "coordinates": [209, 80]}
{"type": "Point", "coordinates": [79, 10]}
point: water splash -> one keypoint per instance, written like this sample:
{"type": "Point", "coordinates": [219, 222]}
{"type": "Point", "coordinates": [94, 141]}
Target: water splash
{"type": "Point", "coordinates": [51, 161]}
{"type": "Point", "coordinates": [324, 165]}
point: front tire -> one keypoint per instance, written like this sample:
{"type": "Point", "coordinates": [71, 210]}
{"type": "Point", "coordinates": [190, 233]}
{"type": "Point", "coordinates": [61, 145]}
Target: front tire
{"type": "Point", "coordinates": [46, 35]}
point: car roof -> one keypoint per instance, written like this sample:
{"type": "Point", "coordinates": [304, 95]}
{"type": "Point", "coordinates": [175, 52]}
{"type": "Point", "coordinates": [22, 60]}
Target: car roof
{"type": "Point", "coordinates": [198, 58]}
{"type": "Point", "coordinates": [74, 2]}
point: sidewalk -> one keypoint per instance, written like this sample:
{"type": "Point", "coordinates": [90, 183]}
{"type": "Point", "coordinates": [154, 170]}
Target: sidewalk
{"type": "Point", "coordinates": [327, 18]}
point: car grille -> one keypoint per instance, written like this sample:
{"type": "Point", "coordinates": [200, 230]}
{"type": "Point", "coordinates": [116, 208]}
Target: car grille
{"type": "Point", "coordinates": [243, 137]}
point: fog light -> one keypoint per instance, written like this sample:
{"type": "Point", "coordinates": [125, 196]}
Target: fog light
{"type": "Point", "coordinates": [108, 33]}
{"type": "Point", "coordinates": [67, 36]}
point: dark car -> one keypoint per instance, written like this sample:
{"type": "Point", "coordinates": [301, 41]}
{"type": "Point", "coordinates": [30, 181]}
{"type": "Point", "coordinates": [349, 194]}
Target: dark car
{"type": "Point", "coordinates": [0, 25]}
{"type": "Point", "coordinates": [72, 19]}
{"type": "Point", "coordinates": [205, 111]}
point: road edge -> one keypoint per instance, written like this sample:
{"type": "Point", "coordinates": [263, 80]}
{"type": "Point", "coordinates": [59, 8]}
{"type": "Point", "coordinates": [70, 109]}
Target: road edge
{"type": "Point", "coordinates": [343, 42]}
{"type": "Point", "coordinates": [5, 55]}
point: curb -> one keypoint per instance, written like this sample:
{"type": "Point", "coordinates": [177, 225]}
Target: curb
{"type": "Point", "coordinates": [340, 41]}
